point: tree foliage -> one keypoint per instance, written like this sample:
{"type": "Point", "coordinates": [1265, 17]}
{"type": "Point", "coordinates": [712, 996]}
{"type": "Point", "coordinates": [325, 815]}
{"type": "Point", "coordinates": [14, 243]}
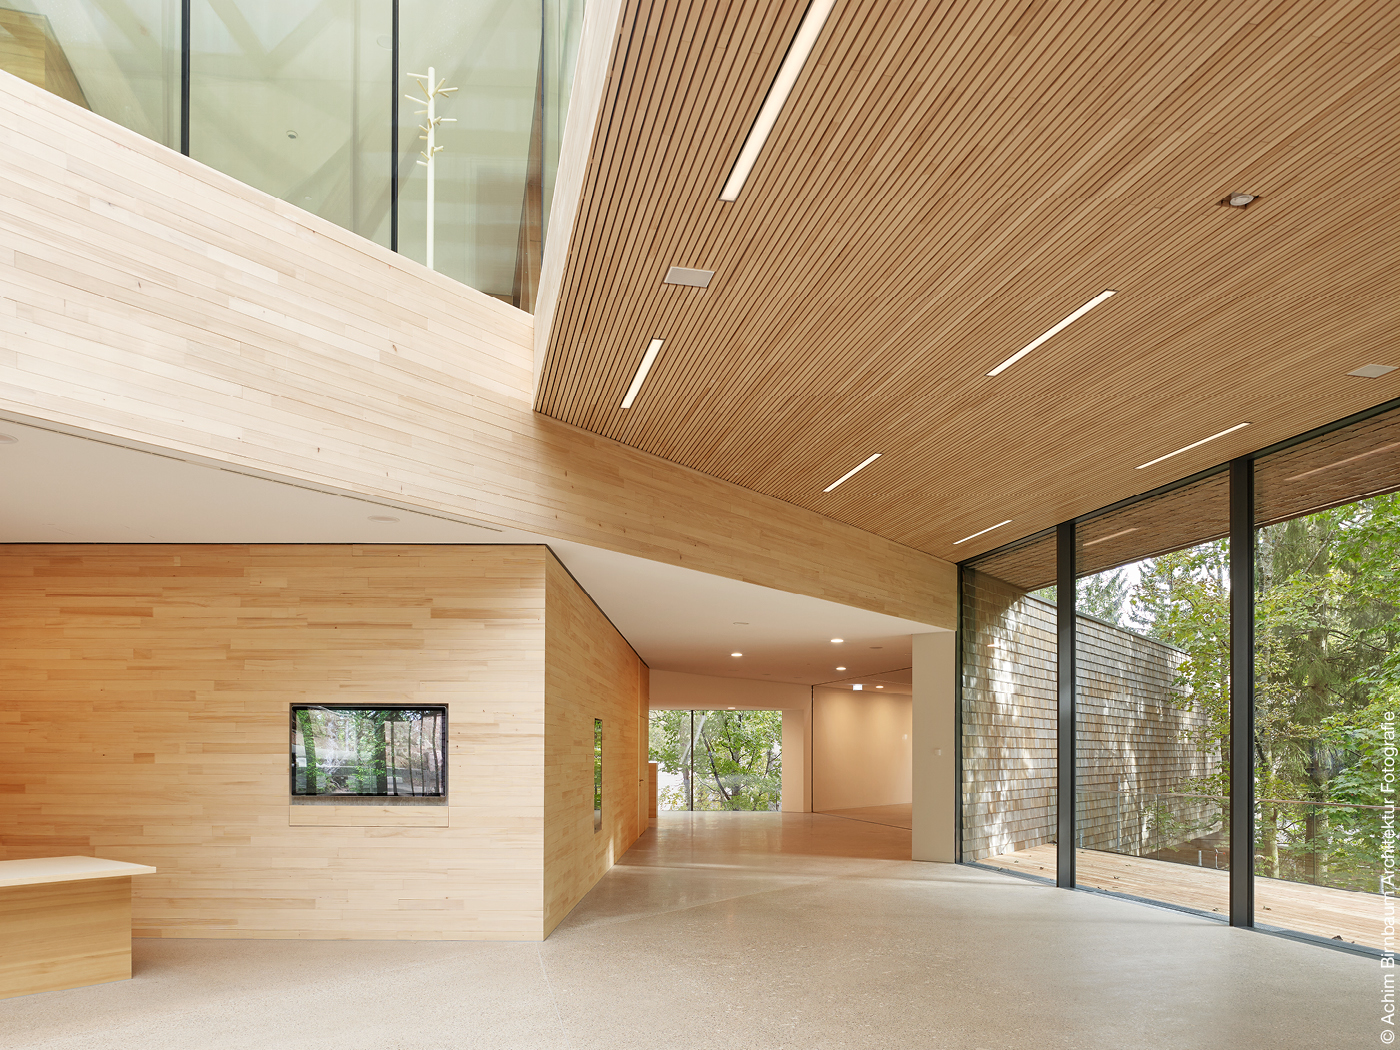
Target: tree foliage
{"type": "Point", "coordinates": [1327, 668]}
{"type": "Point", "coordinates": [735, 762]}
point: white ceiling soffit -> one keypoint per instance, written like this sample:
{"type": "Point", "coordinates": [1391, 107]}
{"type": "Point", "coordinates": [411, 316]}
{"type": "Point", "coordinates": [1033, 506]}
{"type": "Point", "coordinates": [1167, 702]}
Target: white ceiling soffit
{"type": "Point", "coordinates": [67, 488]}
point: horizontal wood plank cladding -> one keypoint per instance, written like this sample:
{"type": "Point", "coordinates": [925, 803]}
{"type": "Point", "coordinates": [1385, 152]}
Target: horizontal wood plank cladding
{"type": "Point", "coordinates": [321, 816]}
{"type": "Point", "coordinates": [64, 935]}
{"type": "Point", "coordinates": [147, 297]}
{"type": "Point", "coordinates": [145, 718]}
{"type": "Point", "coordinates": [590, 672]}
{"type": "Point", "coordinates": [946, 182]}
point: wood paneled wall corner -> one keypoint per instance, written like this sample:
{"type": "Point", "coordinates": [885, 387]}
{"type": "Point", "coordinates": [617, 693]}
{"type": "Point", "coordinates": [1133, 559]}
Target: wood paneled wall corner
{"type": "Point", "coordinates": [590, 672]}
{"type": "Point", "coordinates": [146, 693]}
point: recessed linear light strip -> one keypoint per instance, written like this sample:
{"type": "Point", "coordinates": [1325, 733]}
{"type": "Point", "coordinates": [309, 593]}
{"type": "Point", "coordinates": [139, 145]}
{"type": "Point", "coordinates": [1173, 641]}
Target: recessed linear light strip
{"type": "Point", "coordinates": [1344, 462]}
{"type": "Point", "coordinates": [852, 473]}
{"type": "Point", "coordinates": [988, 529]}
{"type": "Point", "coordinates": [1111, 536]}
{"type": "Point", "coordinates": [798, 52]}
{"type": "Point", "coordinates": [648, 359]}
{"type": "Point", "coordinates": [1106, 294]}
{"type": "Point", "coordinates": [1194, 444]}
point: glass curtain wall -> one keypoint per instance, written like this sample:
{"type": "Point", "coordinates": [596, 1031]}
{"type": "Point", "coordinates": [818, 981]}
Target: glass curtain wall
{"type": "Point", "coordinates": [1327, 678]}
{"type": "Point", "coordinates": [1152, 697]}
{"type": "Point", "coordinates": [563, 28]}
{"type": "Point", "coordinates": [118, 58]}
{"type": "Point", "coordinates": [301, 100]}
{"type": "Point", "coordinates": [718, 760]}
{"type": "Point", "coordinates": [1009, 715]}
{"type": "Point", "coordinates": [486, 207]}
{"type": "Point", "coordinates": [1317, 522]}
{"type": "Point", "coordinates": [293, 98]}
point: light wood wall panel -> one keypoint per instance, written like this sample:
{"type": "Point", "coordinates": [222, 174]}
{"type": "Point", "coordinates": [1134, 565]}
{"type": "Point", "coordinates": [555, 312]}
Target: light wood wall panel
{"type": "Point", "coordinates": [147, 297]}
{"type": "Point", "coordinates": [145, 718]}
{"type": "Point", "coordinates": [590, 672]}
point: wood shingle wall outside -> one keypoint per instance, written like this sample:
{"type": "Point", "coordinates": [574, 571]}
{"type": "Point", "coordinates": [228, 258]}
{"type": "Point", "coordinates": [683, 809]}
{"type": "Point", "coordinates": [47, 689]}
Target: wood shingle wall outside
{"type": "Point", "coordinates": [1135, 745]}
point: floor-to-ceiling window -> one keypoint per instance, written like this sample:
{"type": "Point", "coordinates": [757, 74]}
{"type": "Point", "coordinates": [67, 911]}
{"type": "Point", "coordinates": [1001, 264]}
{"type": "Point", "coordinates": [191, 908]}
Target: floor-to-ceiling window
{"type": "Point", "coordinates": [1236, 689]}
{"type": "Point", "coordinates": [1327, 677]}
{"type": "Point", "coordinates": [1152, 696]}
{"type": "Point", "coordinates": [725, 760]}
{"type": "Point", "coordinates": [1009, 650]}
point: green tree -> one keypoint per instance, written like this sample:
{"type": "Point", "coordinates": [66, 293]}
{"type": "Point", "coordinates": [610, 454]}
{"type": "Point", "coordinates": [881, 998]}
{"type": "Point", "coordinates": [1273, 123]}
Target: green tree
{"type": "Point", "coordinates": [735, 762]}
{"type": "Point", "coordinates": [1103, 596]}
{"type": "Point", "coordinates": [1327, 666]}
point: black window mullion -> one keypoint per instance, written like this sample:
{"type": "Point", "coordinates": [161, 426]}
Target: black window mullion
{"type": "Point", "coordinates": [1242, 692]}
{"type": "Point", "coordinates": [1065, 688]}
{"type": "Point", "coordinates": [185, 77]}
{"type": "Point", "coordinates": [394, 135]}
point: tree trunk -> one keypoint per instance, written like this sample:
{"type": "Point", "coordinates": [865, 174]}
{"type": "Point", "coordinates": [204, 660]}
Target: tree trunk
{"type": "Point", "coordinates": [308, 748]}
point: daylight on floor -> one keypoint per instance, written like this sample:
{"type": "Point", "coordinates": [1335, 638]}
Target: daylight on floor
{"type": "Point", "coordinates": [586, 524]}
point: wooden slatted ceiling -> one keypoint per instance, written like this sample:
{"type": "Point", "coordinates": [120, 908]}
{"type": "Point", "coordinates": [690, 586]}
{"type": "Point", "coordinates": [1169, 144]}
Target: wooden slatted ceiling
{"type": "Point", "coordinates": [946, 182]}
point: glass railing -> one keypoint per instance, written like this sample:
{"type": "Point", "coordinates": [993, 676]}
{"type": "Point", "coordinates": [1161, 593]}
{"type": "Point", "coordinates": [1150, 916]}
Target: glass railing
{"type": "Point", "coordinates": [322, 103]}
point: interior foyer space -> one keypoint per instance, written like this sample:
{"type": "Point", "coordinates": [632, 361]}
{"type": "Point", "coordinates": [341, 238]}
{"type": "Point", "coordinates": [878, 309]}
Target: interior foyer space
{"type": "Point", "coordinates": [997, 404]}
{"type": "Point", "coordinates": [766, 930]}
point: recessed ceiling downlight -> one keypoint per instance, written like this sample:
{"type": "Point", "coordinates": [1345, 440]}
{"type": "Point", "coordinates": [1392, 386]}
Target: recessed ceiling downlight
{"type": "Point", "coordinates": [8, 439]}
{"type": "Point", "coordinates": [736, 654]}
{"type": "Point", "coordinates": [1240, 200]}
{"type": "Point", "coordinates": [382, 517]}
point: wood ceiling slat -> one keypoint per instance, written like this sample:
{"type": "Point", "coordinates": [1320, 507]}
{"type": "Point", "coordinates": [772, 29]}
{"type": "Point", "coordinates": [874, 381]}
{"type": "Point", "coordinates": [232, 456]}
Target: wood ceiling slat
{"type": "Point", "coordinates": [644, 262]}
{"type": "Point", "coordinates": [945, 182]}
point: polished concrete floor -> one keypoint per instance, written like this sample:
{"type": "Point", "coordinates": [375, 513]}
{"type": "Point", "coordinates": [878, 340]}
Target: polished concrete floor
{"type": "Point", "coordinates": [750, 932]}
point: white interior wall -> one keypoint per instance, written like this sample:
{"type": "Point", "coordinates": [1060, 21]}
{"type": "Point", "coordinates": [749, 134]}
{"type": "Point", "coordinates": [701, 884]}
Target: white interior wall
{"type": "Point", "coordinates": [862, 745]}
{"type": "Point", "coordinates": [677, 691]}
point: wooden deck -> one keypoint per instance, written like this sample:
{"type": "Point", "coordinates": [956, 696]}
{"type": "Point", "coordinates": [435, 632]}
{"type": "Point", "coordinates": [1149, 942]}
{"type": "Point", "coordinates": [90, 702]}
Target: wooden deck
{"type": "Point", "coordinates": [1352, 916]}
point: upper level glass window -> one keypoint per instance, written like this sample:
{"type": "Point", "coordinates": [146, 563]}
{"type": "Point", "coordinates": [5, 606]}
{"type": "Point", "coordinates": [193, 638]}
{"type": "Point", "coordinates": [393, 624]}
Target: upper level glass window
{"type": "Point", "coordinates": [320, 103]}
{"type": "Point", "coordinates": [118, 58]}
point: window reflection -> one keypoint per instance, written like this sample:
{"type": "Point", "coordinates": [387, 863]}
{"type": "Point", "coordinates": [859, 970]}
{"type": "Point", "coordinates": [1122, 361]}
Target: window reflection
{"type": "Point", "coordinates": [118, 58]}
{"type": "Point", "coordinates": [293, 98]}
{"type": "Point", "coordinates": [299, 100]}
{"type": "Point", "coordinates": [1152, 647]}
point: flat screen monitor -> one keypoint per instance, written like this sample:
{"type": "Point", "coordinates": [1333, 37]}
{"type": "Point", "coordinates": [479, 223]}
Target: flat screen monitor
{"type": "Point", "coordinates": [364, 751]}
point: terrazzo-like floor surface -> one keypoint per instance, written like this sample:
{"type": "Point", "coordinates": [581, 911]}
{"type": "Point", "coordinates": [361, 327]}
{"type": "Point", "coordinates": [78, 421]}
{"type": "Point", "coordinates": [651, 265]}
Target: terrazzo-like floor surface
{"type": "Point", "coordinates": [749, 932]}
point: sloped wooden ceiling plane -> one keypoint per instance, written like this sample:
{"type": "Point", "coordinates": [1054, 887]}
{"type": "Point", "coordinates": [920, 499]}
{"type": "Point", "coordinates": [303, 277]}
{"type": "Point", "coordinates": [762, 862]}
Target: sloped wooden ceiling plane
{"type": "Point", "coordinates": [946, 182]}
